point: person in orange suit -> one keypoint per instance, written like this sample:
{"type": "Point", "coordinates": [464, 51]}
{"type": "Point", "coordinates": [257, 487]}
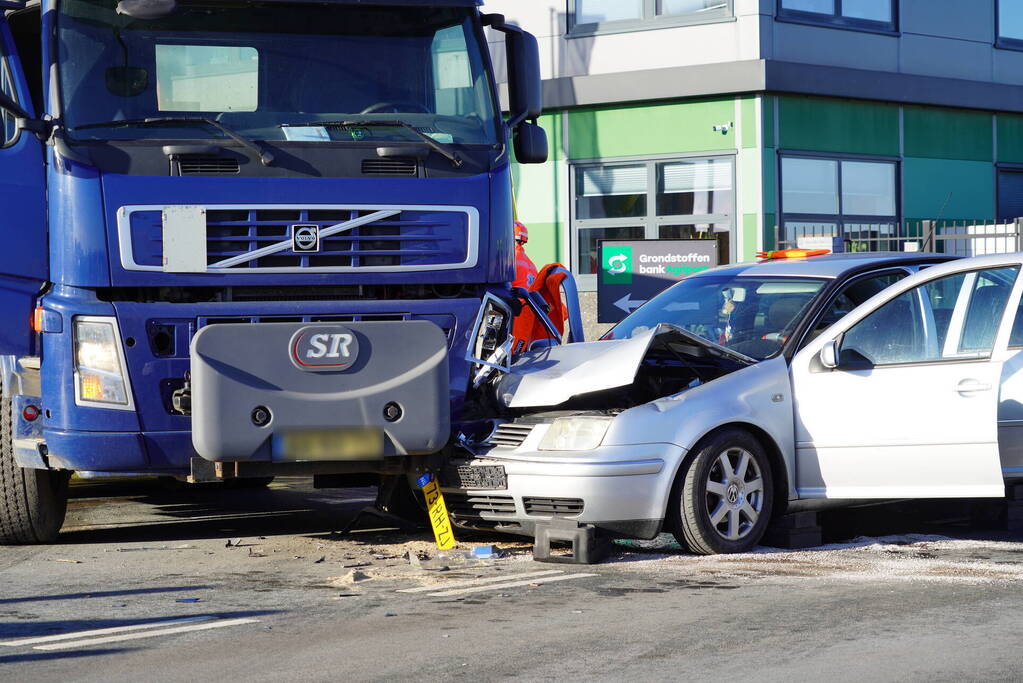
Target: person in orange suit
{"type": "Point", "coordinates": [525, 269]}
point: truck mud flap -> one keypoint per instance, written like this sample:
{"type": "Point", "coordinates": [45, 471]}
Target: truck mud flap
{"type": "Point", "coordinates": [320, 391]}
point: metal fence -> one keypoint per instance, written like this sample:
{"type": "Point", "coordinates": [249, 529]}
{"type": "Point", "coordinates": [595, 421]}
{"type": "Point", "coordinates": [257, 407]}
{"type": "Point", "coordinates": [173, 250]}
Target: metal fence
{"type": "Point", "coordinates": [960, 238]}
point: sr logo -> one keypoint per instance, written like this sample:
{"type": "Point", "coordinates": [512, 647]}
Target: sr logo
{"type": "Point", "coordinates": [305, 238]}
{"type": "Point", "coordinates": [331, 348]}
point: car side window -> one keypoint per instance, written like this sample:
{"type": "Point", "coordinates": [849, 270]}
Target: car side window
{"type": "Point", "coordinates": [7, 86]}
{"type": "Point", "coordinates": [1016, 336]}
{"type": "Point", "coordinates": [851, 296]}
{"type": "Point", "coordinates": [952, 318]}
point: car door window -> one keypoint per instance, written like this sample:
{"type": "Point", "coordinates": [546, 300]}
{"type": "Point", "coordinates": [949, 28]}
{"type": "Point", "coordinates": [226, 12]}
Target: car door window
{"type": "Point", "coordinates": [851, 296]}
{"type": "Point", "coordinates": [951, 318]}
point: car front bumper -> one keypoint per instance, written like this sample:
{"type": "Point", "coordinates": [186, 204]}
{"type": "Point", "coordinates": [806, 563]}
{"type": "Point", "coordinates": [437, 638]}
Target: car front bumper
{"type": "Point", "coordinates": [620, 489]}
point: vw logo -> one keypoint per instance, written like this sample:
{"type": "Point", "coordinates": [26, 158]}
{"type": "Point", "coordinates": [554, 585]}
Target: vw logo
{"type": "Point", "coordinates": [732, 494]}
{"type": "Point", "coordinates": [305, 238]}
{"type": "Point", "coordinates": [318, 348]}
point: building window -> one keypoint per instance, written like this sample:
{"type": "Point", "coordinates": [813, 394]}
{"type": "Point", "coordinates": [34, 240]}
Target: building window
{"type": "Point", "coordinates": [587, 17]}
{"type": "Point", "coordinates": [683, 198]}
{"type": "Point", "coordinates": [1010, 24]}
{"type": "Point", "coordinates": [870, 15]}
{"type": "Point", "coordinates": [852, 198]}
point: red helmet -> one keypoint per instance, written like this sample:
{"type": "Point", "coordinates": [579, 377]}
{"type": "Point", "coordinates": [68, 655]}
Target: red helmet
{"type": "Point", "coordinates": [521, 233]}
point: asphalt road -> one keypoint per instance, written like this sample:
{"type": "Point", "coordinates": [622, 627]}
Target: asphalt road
{"type": "Point", "coordinates": [210, 584]}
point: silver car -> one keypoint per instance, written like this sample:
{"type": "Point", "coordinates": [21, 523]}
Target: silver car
{"type": "Point", "coordinates": [742, 388]}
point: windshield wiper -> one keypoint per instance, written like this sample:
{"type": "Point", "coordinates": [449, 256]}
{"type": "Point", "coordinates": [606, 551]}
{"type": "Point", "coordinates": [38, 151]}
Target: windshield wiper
{"type": "Point", "coordinates": [265, 157]}
{"type": "Point", "coordinates": [436, 146]}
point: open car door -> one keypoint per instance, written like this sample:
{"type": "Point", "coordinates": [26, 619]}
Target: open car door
{"type": "Point", "coordinates": [899, 399]}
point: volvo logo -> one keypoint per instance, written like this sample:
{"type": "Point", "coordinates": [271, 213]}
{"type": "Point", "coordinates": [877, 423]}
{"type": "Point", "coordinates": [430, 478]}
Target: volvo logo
{"type": "Point", "coordinates": [319, 348]}
{"type": "Point", "coordinates": [305, 238]}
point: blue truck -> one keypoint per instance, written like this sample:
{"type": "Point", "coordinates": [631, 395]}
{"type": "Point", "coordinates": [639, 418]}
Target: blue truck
{"type": "Point", "coordinates": [336, 173]}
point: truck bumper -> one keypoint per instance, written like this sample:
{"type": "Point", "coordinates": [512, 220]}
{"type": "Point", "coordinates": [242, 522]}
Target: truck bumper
{"type": "Point", "coordinates": [158, 452]}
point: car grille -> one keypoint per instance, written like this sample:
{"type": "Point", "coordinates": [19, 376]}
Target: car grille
{"type": "Point", "coordinates": [510, 435]}
{"type": "Point", "coordinates": [379, 239]}
{"type": "Point", "coordinates": [463, 505]}
{"type": "Point", "coordinates": [553, 507]}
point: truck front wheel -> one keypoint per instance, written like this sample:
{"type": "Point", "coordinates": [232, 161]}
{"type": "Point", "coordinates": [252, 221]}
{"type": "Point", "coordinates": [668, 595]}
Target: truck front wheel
{"type": "Point", "coordinates": [32, 502]}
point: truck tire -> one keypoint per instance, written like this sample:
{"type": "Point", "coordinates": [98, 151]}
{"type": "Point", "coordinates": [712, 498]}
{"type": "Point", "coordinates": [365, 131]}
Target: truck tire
{"type": "Point", "coordinates": [723, 496]}
{"type": "Point", "coordinates": [33, 503]}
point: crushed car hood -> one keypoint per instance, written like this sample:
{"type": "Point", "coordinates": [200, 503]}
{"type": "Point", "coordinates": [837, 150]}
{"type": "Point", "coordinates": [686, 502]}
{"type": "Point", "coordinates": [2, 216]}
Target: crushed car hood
{"type": "Point", "coordinates": [549, 377]}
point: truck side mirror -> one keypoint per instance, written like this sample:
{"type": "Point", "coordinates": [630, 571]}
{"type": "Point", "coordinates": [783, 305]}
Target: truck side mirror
{"type": "Point", "coordinates": [525, 92]}
{"type": "Point", "coordinates": [829, 355]}
{"type": "Point", "coordinates": [530, 143]}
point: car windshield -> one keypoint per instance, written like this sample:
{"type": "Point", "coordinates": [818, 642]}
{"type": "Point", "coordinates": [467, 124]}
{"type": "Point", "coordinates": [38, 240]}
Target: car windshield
{"type": "Point", "coordinates": [269, 69]}
{"type": "Point", "coordinates": [751, 315]}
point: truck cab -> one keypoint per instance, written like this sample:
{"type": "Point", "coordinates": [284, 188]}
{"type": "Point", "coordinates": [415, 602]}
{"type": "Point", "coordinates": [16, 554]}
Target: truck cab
{"type": "Point", "coordinates": [172, 166]}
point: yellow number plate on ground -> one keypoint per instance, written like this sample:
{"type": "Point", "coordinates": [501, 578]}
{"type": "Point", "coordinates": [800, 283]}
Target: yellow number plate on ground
{"type": "Point", "coordinates": [345, 443]}
{"type": "Point", "coordinates": [438, 512]}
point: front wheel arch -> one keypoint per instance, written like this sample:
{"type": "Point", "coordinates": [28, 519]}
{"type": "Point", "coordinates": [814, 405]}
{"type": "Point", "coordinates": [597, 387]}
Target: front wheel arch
{"type": "Point", "coordinates": [779, 469]}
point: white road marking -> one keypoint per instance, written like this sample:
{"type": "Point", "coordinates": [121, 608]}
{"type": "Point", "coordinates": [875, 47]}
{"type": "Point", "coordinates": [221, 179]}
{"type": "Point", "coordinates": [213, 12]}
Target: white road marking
{"type": "Point", "coordinates": [220, 623]}
{"type": "Point", "coordinates": [513, 584]}
{"type": "Point", "coordinates": [101, 632]}
{"type": "Point", "coordinates": [477, 582]}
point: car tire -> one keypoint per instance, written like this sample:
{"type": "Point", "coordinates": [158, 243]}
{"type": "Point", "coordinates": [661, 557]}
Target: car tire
{"type": "Point", "coordinates": [723, 495]}
{"type": "Point", "coordinates": [33, 503]}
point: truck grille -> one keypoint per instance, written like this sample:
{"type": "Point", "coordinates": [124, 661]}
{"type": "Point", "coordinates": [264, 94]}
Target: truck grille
{"type": "Point", "coordinates": [463, 505]}
{"type": "Point", "coordinates": [553, 507]}
{"type": "Point", "coordinates": [352, 238]}
{"type": "Point", "coordinates": [445, 322]}
{"type": "Point", "coordinates": [204, 165]}
{"type": "Point", "coordinates": [510, 435]}
{"type": "Point", "coordinates": [399, 166]}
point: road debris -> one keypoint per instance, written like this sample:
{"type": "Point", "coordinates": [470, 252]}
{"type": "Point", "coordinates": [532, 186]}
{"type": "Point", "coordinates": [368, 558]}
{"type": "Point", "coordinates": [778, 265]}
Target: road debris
{"type": "Point", "coordinates": [354, 576]}
{"type": "Point", "coordinates": [61, 559]}
{"type": "Point", "coordinates": [189, 600]}
{"type": "Point", "coordinates": [233, 543]}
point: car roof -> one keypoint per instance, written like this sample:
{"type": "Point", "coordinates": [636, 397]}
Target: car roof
{"type": "Point", "coordinates": [829, 266]}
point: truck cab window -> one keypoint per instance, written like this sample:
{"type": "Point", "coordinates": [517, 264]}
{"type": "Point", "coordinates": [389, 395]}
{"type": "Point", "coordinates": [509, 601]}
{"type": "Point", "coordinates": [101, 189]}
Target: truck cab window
{"type": "Point", "coordinates": [258, 67]}
{"type": "Point", "coordinates": [25, 29]}
{"type": "Point", "coordinates": [7, 85]}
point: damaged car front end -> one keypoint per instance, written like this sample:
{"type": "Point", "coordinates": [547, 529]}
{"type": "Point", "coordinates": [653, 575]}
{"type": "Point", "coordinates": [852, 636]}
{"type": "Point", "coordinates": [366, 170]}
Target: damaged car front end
{"type": "Point", "coordinates": [596, 434]}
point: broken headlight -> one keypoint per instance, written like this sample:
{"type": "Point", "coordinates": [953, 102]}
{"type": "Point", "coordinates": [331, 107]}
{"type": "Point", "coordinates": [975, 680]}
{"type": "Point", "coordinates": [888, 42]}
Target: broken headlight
{"type": "Point", "coordinates": [575, 433]}
{"type": "Point", "coordinates": [490, 343]}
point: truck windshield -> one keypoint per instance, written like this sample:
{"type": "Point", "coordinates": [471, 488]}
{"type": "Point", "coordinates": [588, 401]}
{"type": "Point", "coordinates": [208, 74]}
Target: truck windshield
{"type": "Point", "coordinates": [752, 315]}
{"type": "Point", "coordinates": [271, 70]}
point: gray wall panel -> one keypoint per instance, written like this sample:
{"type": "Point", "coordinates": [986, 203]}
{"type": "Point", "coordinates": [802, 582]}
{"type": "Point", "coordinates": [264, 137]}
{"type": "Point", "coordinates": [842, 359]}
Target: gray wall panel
{"type": "Point", "coordinates": [961, 19]}
{"type": "Point", "coordinates": [834, 47]}
{"type": "Point", "coordinates": [1008, 66]}
{"type": "Point", "coordinates": [946, 58]}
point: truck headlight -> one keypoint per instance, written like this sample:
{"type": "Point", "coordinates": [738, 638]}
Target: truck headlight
{"type": "Point", "coordinates": [575, 433]}
{"type": "Point", "coordinates": [99, 367]}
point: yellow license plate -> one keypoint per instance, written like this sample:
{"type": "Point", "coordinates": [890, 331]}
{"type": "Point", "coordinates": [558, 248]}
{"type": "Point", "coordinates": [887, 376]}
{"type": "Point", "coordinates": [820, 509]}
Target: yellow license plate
{"type": "Point", "coordinates": [438, 512]}
{"type": "Point", "coordinates": [343, 443]}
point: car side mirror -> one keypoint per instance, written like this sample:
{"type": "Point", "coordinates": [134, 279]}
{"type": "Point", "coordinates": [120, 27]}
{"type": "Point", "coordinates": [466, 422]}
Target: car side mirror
{"type": "Point", "coordinates": [829, 355]}
{"type": "Point", "coordinates": [530, 143]}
